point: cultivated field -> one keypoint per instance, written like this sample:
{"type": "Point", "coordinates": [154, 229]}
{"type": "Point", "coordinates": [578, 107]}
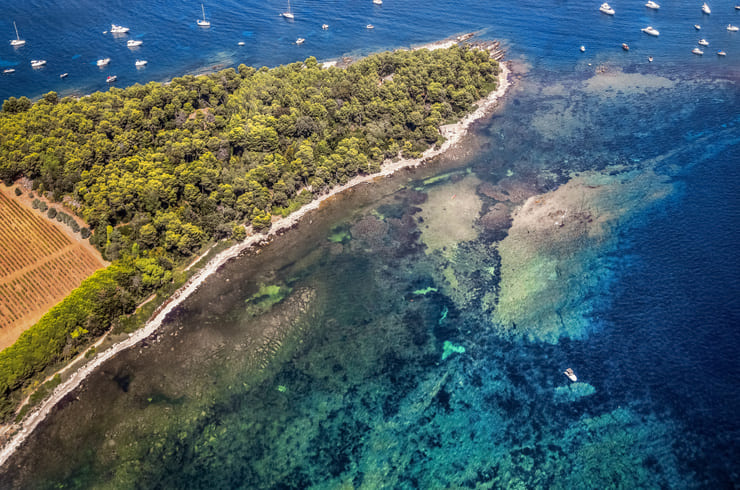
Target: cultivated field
{"type": "Point", "coordinates": [40, 264]}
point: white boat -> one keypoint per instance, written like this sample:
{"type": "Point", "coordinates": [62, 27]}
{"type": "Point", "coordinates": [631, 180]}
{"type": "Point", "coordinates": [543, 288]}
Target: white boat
{"type": "Point", "coordinates": [705, 8]}
{"type": "Point", "coordinates": [697, 27]}
{"type": "Point", "coordinates": [64, 75]}
{"type": "Point", "coordinates": [583, 49]}
{"type": "Point", "coordinates": [111, 79]}
{"type": "Point", "coordinates": [288, 14]}
{"type": "Point", "coordinates": [140, 63]}
{"type": "Point", "coordinates": [325, 26]}
{"type": "Point", "coordinates": [378, 2]}
{"type": "Point", "coordinates": [241, 43]}
{"type": "Point", "coordinates": [703, 42]}
{"type": "Point", "coordinates": [571, 375]}
{"type": "Point", "coordinates": [625, 47]}
{"type": "Point", "coordinates": [9, 70]}
{"type": "Point", "coordinates": [652, 5]}
{"type": "Point", "coordinates": [697, 51]}
{"type": "Point", "coordinates": [721, 53]}
{"type": "Point", "coordinates": [651, 31]}
{"type": "Point", "coordinates": [37, 63]}
{"type": "Point", "coordinates": [116, 29]}
{"type": "Point", "coordinates": [370, 26]}
{"type": "Point", "coordinates": [103, 61]}
{"type": "Point", "coordinates": [300, 40]}
{"type": "Point", "coordinates": [732, 28]}
{"type": "Point", "coordinates": [650, 59]}
{"type": "Point", "coordinates": [203, 22]}
{"type": "Point", "coordinates": [606, 9]}
{"type": "Point", "coordinates": [132, 43]}
{"type": "Point", "coordinates": [17, 41]}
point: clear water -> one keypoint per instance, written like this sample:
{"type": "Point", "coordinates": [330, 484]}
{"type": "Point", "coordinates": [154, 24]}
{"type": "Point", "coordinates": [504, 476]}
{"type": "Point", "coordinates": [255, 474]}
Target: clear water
{"type": "Point", "coordinates": [345, 382]}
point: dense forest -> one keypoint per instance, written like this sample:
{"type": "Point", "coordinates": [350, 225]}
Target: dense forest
{"type": "Point", "coordinates": [159, 170]}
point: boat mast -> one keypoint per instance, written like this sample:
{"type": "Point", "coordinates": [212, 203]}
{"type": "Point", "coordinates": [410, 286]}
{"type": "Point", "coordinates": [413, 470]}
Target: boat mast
{"type": "Point", "coordinates": [204, 12]}
{"type": "Point", "coordinates": [17, 36]}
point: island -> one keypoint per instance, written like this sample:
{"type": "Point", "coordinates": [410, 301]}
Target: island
{"type": "Point", "coordinates": [195, 171]}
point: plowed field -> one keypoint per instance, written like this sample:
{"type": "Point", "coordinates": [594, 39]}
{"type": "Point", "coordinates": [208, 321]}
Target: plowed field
{"type": "Point", "coordinates": [40, 264]}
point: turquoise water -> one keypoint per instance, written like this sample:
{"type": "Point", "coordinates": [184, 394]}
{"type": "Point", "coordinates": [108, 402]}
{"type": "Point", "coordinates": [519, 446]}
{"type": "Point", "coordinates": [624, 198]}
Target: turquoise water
{"type": "Point", "coordinates": [416, 335]}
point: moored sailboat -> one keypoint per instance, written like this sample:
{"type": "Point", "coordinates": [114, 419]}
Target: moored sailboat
{"type": "Point", "coordinates": [203, 22]}
{"type": "Point", "coordinates": [288, 14]}
{"type": "Point", "coordinates": [17, 41]}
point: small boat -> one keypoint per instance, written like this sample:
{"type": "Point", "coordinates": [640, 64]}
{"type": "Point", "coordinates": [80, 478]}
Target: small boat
{"type": "Point", "coordinates": [378, 2]}
{"type": "Point", "coordinates": [325, 26]}
{"type": "Point", "coordinates": [732, 28]}
{"type": "Point", "coordinates": [721, 53]}
{"type": "Point", "coordinates": [37, 63]}
{"type": "Point", "coordinates": [111, 79]}
{"type": "Point", "coordinates": [132, 43]}
{"type": "Point", "coordinates": [697, 27]}
{"type": "Point", "coordinates": [64, 75]}
{"type": "Point", "coordinates": [300, 40]}
{"type": "Point", "coordinates": [571, 375]}
{"type": "Point", "coordinates": [9, 70]}
{"type": "Point", "coordinates": [606, 9]}
{"type": "Point", "coordinates": [240, 43]}
{"type": "Point", "coordinates": [583, 49]}
{"type": "Point", "coordinates": [703, 42]}
{"type": "Point", "coordinates": [652, 5]}
{"type": "Point", "coordinates": [737, 7]}
{"type": "Point", "coordinates": [203, 22]}
{"type": "Point", "coordinates": [370, 26]}
{"type": "Point", "coordinates": [140, 63]}
{"type": "Point", "coordinates": [103, 61]}
{"type": "Point", "coordinates": [288, 14]}
{"type": "Point", "coordinates": [651, 31]}
{"type": "Point", "coordinates": [17, 41]}
{"type": "Point", "coordinates": [625, 47]}
{"type": "Point", "coordinates": [697, 51]}
{"type": "Point", "coordinates": [650, 59]}
{"type": "Point", "coordinates": [115, 29]}
{"type": "Point", "coordinates": [705, 8]}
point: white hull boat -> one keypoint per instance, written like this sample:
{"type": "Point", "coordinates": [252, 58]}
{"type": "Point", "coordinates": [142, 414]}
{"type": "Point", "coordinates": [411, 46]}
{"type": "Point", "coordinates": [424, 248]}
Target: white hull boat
{"type": "Point", "coordinates": [651, 31]}
{"type": "Point", "coordinates": [103, 61]}
{"type": "Point", "coordinates": [132, 43]}
{"type": "Point", "coordinates": [116, 29]}
{"type": "Point", "coordinates": [705, 8]}
{"type": "Point", "coordinates": [606, 9]}
{"type": "Point", "coordinates": [203, 22]}
{"type": "Point", "coordinates": [17, 41]}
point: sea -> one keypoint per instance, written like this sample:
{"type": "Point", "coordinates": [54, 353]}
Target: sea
{"type": "Point", "coordinates": [414, 332]}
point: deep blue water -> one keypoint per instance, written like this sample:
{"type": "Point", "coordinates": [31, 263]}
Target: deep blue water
{"type": "Point", "coordinates": [341, 404]}
{"type": "Point", "coordinates": [69, 35]}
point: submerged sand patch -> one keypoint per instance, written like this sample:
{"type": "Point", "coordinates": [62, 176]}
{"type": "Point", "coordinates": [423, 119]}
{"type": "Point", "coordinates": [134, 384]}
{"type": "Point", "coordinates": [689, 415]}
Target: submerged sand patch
{"type": "Point", "coordinates": [553, 260]}
{"type": "Point", "coordinates": [449, 215]}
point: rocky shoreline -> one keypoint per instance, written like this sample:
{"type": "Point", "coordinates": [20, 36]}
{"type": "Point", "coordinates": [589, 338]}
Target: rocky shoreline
{"type": "Point", "coordinates": [453, 134]}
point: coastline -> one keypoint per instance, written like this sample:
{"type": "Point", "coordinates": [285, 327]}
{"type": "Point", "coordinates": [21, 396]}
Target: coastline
{"type": "Point", "coordinates": [453, 134]}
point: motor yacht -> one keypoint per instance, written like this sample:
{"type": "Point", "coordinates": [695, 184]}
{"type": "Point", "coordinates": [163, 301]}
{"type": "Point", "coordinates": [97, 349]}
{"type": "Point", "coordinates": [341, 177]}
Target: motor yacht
{"type": "Point", "coordinates": [37, 63]}
{"type": "Point", "coordinates": [300, 40]}
{"type": "Point", "coordinates": [140, 63]}
{"type": "Point", "coordinates": [103, 61]}
{"type": "Point", "coordinates": [606, 9]}
{"type": "Point", "coordinates": [652, 5]}
{"type": "Point", "coordinates": [697, 51]}
{"type": "Point", "coordinates": [111, 79]}
{"type": "Point", "coordinates": [705, 8]}
{"type": "Point", "coordinates": [116, 29]}
{"type": "Point", "coordinates": [703, 42]}
{"type": "Point", "coordinates": [132, 43]}
{"type": "Point", "coordinates": [651, 31]}
{"type": "Point", "coordinates": [732, 28]}
{"type": "Point", "coordinates": [571, 375]}
{"type": "Point", "coordinates": [721, 53]}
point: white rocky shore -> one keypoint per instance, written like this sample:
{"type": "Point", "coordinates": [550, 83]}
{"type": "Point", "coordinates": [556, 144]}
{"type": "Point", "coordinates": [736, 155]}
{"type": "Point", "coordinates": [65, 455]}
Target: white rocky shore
{"type": "Point", "coordinates": [453, 134]}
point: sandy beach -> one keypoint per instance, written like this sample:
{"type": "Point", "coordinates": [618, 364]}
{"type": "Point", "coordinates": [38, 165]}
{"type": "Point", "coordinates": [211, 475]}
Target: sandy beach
{"type": "Point", "coordinates": [453, 134]}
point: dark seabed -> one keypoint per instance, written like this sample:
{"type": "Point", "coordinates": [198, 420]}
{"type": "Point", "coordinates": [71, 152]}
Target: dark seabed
{"type": "Point", "coordinates": [414, 333]}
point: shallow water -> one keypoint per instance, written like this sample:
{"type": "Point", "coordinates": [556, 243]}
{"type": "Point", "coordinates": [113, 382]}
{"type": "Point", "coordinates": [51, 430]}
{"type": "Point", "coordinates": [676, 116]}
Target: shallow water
{"type": "Point", "coordinates": [378, 361]}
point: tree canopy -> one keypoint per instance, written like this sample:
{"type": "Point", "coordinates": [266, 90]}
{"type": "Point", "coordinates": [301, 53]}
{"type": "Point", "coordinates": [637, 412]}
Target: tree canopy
{"type": "Point", "coordinates": [157, 170]}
